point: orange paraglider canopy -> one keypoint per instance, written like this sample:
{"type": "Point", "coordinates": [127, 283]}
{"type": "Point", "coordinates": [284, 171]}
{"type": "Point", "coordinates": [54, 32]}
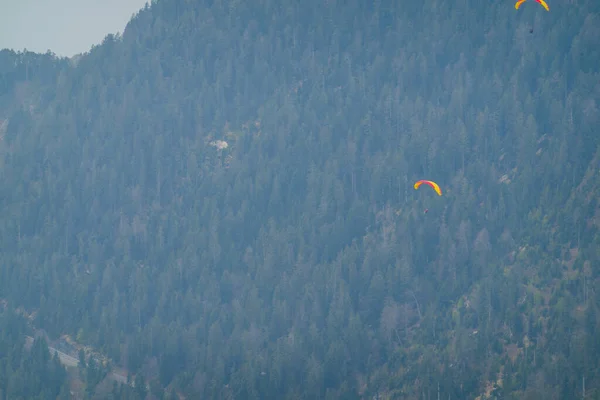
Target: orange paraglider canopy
{"type": "Point", "coordinates": [542, 2]}
{"type": "Point", "coordinates": [434, 185]}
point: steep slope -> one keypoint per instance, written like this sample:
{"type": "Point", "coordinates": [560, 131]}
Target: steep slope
{"type": "Point", "coordinates": [296, 261]}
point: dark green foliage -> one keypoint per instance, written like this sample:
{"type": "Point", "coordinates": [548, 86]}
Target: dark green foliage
{"type": "Point", "coordinates": [297, 262]}
{"type": "Point", "coordinates": [28, 373]}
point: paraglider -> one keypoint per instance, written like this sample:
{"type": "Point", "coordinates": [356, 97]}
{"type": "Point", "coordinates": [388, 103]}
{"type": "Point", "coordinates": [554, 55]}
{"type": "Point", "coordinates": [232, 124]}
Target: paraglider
{"type": "Point", "coordinates": [542, 2]}
{"type": "Point", "coordinates": [434, 185]}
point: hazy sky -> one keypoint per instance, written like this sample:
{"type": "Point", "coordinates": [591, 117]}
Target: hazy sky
{"type": "Point", "coordinates": [66, 27]}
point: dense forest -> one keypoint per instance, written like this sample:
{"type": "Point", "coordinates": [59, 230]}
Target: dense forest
{"type": "Point", "coordinates": [27, 372]}
{"type": "Point", "coordinates": [220, 200]}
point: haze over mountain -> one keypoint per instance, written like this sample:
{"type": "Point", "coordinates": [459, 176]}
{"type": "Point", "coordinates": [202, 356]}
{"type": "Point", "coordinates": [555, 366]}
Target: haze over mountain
{"type": "Point", "coordinates": [221, 201]}
{"type": "Point", "coordinates": [65, 27]}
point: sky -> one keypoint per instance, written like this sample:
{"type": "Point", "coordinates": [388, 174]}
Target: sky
{"type": "Point", "coordinates": [66, 27]}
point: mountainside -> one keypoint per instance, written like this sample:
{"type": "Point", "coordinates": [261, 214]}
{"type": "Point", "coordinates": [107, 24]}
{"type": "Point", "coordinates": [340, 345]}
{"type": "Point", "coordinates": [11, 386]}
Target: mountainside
{"type": "Point", "coordinates": [221, 199]}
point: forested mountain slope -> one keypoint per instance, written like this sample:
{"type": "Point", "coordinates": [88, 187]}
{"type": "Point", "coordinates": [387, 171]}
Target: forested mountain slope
{"type": "Point", "coordinates": [27, 372]}
{"type": "Point", "coordinates": [221, 199]}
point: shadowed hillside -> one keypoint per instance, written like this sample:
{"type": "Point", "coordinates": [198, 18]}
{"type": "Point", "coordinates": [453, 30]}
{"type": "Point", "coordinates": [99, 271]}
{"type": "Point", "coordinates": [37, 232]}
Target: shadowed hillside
{"type": "Point", "coordinates": [221, 199]}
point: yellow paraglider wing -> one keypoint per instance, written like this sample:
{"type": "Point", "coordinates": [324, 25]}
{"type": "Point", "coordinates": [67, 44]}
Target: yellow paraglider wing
{"type": "Point", "coordinates": [543, 3]}
{"type": "Point", "coordinates": [434, 185]}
